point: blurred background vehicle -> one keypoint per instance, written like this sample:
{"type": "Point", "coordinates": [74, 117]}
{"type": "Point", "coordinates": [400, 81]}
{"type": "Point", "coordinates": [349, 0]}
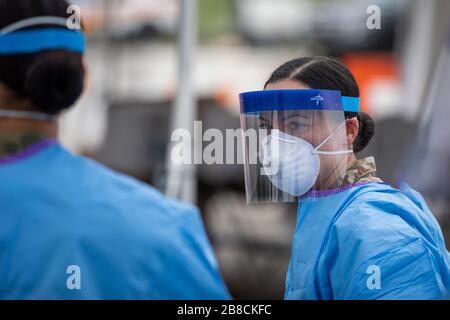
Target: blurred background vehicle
{"type": "Point", "coordinates": [135, 58]}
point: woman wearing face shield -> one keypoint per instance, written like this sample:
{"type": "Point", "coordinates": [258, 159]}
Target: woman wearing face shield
{"type": "Point", "coordinates": [69, 227]}
{"type": "Point", "coordinates": [356, 237]}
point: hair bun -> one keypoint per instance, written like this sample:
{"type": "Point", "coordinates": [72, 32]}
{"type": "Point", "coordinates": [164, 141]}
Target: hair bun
{"type": "Point", "coordinates": [366, 131]}
{"type": "Point", "coordinates": [54, 80]}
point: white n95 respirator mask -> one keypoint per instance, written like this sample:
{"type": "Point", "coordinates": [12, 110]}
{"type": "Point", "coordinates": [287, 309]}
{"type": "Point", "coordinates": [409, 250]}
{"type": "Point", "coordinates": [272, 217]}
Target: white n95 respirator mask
{"type": "Point", "coordinates": [291, 163]}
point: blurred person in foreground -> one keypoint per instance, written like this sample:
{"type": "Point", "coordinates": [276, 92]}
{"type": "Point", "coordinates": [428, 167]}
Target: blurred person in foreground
{"type": "Point", "coordinates": [71, 228]}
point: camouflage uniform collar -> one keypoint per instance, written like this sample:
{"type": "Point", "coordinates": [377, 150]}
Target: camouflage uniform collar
{"type": "Point", "coordinates": [362, 170]}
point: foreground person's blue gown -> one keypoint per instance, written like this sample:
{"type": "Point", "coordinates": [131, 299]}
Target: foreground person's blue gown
{"type": "Point", "coordinates": [129, 242]}
{"type": "Point", "coordinates": [369, 241]}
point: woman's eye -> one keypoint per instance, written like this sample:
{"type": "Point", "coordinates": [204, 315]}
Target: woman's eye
{"type": "Point", "coordinates": [296, 125]}
{"type": "Point", "coordinates": [264, 126]}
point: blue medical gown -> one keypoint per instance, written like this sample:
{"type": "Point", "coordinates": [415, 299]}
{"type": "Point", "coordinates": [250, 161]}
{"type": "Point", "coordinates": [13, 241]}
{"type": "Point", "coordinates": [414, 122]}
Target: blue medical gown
{"type": "Point", "coordinates": [370, 241]}
{"type": "Point", "coordinates": [129, 242]}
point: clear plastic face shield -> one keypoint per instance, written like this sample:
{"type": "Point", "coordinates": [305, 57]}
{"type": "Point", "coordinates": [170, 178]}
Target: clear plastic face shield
{"type": "Point", "coordinates": [295, 143]}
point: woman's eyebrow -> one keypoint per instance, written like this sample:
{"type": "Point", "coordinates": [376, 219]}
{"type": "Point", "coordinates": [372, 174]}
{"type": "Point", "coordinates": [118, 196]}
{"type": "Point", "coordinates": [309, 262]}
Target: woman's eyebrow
{"type": "Point", "coordinates": [294, 116]}
{"type": "Point", "coordinates": [263, 119]}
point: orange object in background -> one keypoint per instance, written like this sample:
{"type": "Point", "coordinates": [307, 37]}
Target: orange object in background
{"type": "Point", "coordinates": [369, 69]}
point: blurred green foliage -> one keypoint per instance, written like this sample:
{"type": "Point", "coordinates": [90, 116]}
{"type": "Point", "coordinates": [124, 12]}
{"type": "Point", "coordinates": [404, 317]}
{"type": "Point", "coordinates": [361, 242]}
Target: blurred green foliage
{"type": "Point", "coordinates": [216, 17]}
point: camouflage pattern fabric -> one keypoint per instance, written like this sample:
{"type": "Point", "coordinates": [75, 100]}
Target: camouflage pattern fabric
{"type": "Point", "coordinates": [362, 170]}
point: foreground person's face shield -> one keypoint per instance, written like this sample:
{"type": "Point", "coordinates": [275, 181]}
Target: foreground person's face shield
{"type": "Point", "coordinates": [295, 142]}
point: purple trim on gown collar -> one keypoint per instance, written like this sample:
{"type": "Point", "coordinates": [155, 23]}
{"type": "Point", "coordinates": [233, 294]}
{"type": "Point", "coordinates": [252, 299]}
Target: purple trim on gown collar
{"type": "Point", "coordinates": [28, 152]}
{"type": "Point", "coordinates": [324, 193]}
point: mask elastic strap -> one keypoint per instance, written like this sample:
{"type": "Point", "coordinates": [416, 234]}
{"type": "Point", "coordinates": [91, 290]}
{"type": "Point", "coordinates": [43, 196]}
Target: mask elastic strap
{"type": "Point", "coordinates": [15, 114]}
{"type": "Point", "coordinates": [56, 21]}
{"type": "Point", "coordinates": [327, 139]}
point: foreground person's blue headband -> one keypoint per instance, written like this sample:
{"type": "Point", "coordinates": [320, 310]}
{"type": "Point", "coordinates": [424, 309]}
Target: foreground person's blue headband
{"type": "Point", "coordinates": [297, 99]}
{"type": "Point", "coordinates": [36, 40]}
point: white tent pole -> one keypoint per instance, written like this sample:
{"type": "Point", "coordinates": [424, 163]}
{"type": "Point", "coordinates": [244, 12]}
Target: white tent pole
{"type": "Point", "coordinates": [181, 179]}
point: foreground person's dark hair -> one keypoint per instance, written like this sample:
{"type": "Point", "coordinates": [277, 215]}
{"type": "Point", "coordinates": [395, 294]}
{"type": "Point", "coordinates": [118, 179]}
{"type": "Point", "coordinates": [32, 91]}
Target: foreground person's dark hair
{"type": "Point", "coordinates": [53, 79]}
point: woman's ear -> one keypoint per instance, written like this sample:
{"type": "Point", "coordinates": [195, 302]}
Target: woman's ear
{"type": "Point", "coordinates": [7, 96]}
{"type": "Point", "coordinates": [352, 125]}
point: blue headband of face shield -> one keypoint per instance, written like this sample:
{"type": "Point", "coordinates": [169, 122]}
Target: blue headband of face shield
{"type": "Point", "coordinates": [36, 40]}
{"type": "Point", "coordinates": [297, 99]}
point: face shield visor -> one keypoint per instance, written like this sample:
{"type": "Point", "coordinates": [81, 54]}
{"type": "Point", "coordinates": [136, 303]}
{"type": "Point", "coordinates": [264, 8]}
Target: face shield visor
{"type": "Point", "coordinates": [295, 143]}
